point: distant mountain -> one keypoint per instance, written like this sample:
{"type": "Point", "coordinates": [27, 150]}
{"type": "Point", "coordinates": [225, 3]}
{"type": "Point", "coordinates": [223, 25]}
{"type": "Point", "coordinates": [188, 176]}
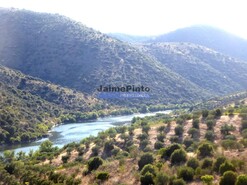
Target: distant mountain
{"type": "Point", "coordinates": [57, 49]}
{"type": "Point", "coordinates": [130, 38]}
{"type": "Point", "coordinates": [210, 70]}
{"type": "Point", "coordinates": [210, 37]}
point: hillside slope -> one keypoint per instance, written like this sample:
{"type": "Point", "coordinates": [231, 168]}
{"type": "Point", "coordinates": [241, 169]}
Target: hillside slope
{"type": "Point", "coordinates": [57, 49]}
{"type": "Point", "coordinates": [30, 106]}
{"type": "Point", "coordinates": [210, 37]}
{"type": "Point", "coordinates": [205, 67]}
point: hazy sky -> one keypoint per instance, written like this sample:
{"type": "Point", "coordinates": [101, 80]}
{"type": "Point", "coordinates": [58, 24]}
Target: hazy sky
{"type": "Point", "coordinates": [145, 17]}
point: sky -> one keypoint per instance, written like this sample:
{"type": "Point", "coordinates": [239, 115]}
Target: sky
{"type": "Point", "coordinates": [145, 17]}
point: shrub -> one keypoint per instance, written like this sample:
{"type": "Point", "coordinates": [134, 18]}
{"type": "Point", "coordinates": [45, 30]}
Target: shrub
{"type": "Point", "coordinates": [219, 161]}
{"type": "Point", "coordinates": [94, 163]}
{"type": "Point", "coordinates": [158, 145]}
{"type": "Point", "coordinates": [145, 129]}
{"type": "Point", "coordinates": [194, 133]}
{"type": "Point", "coordinates": [178, 182]}
{"type": "Point", "coordinates": [210, 136]}
{"type": "Point", "coordinates": [108, 146]}
{"type": "Point", "coordinates": [207, 162]}
{"type": "Point", "coordinates": [195, 123]}
{"type": "Point", "coordinates": [193, 163]}
{"type": "Point", "coordinates": [210, 124]}
{"type": "Point", "coordinates": [167, 152]}
{"type": "Point", "coordinates": [226, 166]}
{"type": "Point", "coordinates": [161, 129]}
{"type": "Point", "coordinates": [65, 158]}
{"type": "Point", "coordinates": [205, 150]}
{"type": "Point", "coordinates": [147, 179]}
{"type": "Point", "coordinates": [205, 113]}
{"type": "Point", "coordinates": [161, 137]}
{"type": "Point", "coordinates": [207, 179]}
{"type": "Point", "coordinates": [178, 156]}
{"type": "Point", "coordinates": [102, 176]}
{"type": "Point", "coordinates": [188, 142]}
{"type": "Point", "coordinates": [161, 179]}
{"type": "Point", "coordinates": [241, 180]}
{"type": "Point", "coordinates": [144, 143]}
{"type": "Point", "coordinates": [186, 173]}
{"type": "Point", "coordinates": [146, 158]}
{"type": "Point", "coordinates": [179, 130]}
{"type": "Point", "coordinates": [142, 137]}
{"type": "Point", "coordinates": [229, 178]}
{"type": "Point", "coordinates": [148, 168]}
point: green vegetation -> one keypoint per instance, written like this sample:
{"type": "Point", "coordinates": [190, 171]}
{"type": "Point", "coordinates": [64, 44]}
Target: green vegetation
{"type": "Point", "coordinates": [119, 154]}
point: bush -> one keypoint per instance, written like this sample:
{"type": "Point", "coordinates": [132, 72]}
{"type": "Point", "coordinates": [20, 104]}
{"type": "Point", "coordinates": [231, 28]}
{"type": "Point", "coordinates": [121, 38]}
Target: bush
{"type": "Point", "coordinates": [179, 130]}
{"type": "Point", "coordinates": [146, 128]}
{"type": "Point", "coordinates": [145, 159]}
{"type": "Point", "coordinates": [219, 161]}
{"type": "Point", "coordinates": [186, 173]}
{"type": "Point", "coordinates": [194, 133]}
{"type": "Point", "coordinates": [207, 163]}
{"type": "Point", "coordinates": [210, 124]}
{"type": "Point", "coordinates": [161, 179]}
{"type": "Point", "coordinates": [148, 168]}
{"type": "Point", "coordinates": [167, 152]}
{"type": "Point", "coordinates": [241, 180]}
{"type": "Point", "coordinates": [188, 142]}
{"type": "Point", "coordinates": [102, 176]}
{"type": "Point", "coordinates": [193, 163]}
{"type": "Point", "coordinates": [195, 123]}
{"type": "Point", "coordinates": [161, 137]}
{"type": "Point", "coordinates": [205, 150]}
{"type": "Point", "coordinates": [147, 179]}
{"type": "Point", "coordinates": [229, 178]}
{"type": "Point", "coordinates": [226, 166]}
{"type": "Point", "coordinates": [207, 179]}
{"type": "Point", "coordinates": [94, 163]}
{"type": "Point", "coordinates": [178, 156]}
{"type": "Point", "coordinates": [65, 158]}
{"type": "Point", "coordinates": [210, 136]}
{"type": "Point", "coordinates": [178, 182]}
{"type": "Point", "coordinates": [142, 137]}
{"type": "Point", "coordinates": [158, 145]}
{"type": "Point", "coordinates": [205, 113]}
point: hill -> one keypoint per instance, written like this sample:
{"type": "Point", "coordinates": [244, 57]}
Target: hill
{"type": "Point", "coordinates": [210, 37]}
{"type": "Point", "coordinates": [210, 70]}
{"type": "Point", "coordinates": [193, 148]}
{"type": "Point", "coordinates": [62, 51]}
{"type": "Point", "coordinates": [30, 106]}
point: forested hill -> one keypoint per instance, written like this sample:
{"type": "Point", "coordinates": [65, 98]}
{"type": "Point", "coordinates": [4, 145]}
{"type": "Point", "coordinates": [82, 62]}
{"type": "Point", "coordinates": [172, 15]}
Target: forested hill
{"type": "Point", "coordinates": [65, 52]}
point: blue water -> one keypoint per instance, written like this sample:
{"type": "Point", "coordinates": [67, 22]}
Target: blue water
{"type": "Point", "coordinates": [75, 132]}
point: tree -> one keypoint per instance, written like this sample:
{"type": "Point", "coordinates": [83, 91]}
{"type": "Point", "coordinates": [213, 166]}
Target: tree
{"type": "Point", "coordinates": [241, 180]}
{"type": "Point", "coordinates": [205, 113]}
{"type": "Point", "coordinates": [158, 145]}
{"type": "Point", "coordinates": [167, 152]}
{"type": "Point", "coordinates": [178, 156]}
{"type": "Point", "coordinates": [226, 166]}
{"type": "Point", "coordinates": [210, 136]}
{"type": "Point", "coordinates": [194, 133]}
{"type": "Point", "coordinates": [218, 113]}
{"type": "Point", "coordinates": [94, 163]}
{"type": "Point", "coordinates": [178, 182]}
{"type": "Point", "coordinates": [193, 163]}
{"type": "Point", "coordinates": [207, 163]}
{"type": "Point", "coordinates": [219, 161]}
{"type": "Point", "coordinates": [161, 179]}
{"type": "Point", "coordinates": [186, 173]}
{"type": "Point", "coordinates": [205, 150]}
{"type": "Point", "coordinates": [179, 130]}
{"type": "Point", "coordinates": [146, 128]}
{"type": "Point", "coordinates": [102, 175]}
{"type": "Point", "coordinates": [207, 179]}
{"type": "Point", "coordinates": [148, 168]}
{"type": "Point", "coordinates": [195, 123]}
{"type": "Point", "coordinates": [210, 124]}
{"type": "Point", "coordinates": [225, 129]}
{"type": "Point", "coordinates": [46, 146]}
{"type": "Point", "coordinates": [146, 158]}
{"type": "Point", "coordinates": [147, 179]}
{"type": "Point", "coordinates": [229, 178]}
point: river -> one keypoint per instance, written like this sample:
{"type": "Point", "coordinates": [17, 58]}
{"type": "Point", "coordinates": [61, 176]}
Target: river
{"type": "Point", "coordinates": [75, 132]}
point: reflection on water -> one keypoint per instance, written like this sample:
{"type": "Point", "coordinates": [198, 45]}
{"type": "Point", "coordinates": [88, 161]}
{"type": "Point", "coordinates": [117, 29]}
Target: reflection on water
{"type": "Point", "coordinates": [75, 132]}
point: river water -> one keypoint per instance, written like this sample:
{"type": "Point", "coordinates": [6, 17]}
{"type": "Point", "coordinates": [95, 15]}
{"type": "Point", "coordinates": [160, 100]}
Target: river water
{"type": "Point", "coordinates": [75, 132]}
